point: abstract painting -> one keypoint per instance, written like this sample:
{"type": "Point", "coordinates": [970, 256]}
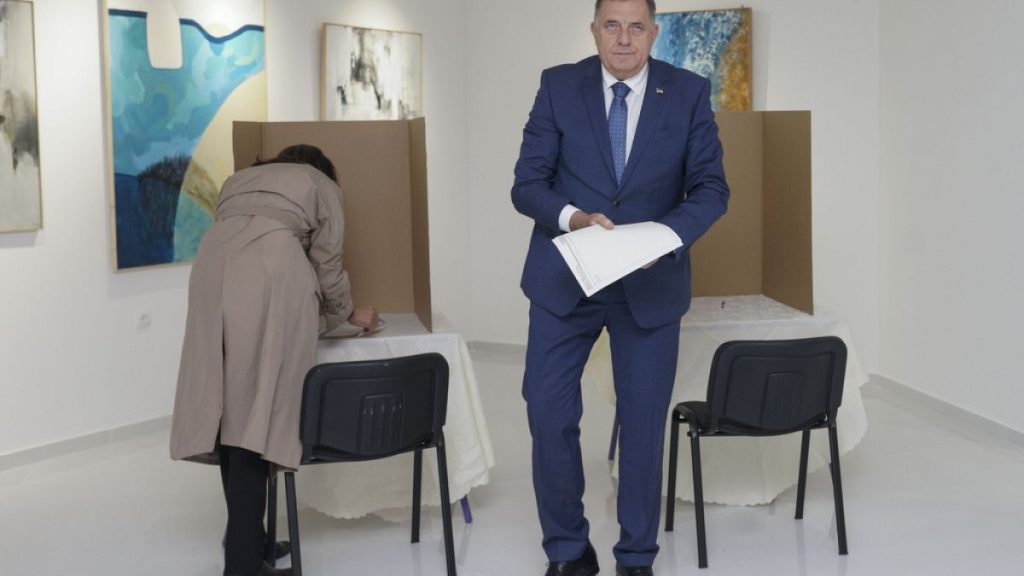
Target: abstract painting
{"type": "Point", "coordinates": [180, 72]}
{"type": "Point", "coordinates": [371, 74]}
{"type": "Point", "coordinates": [20, 196]}
{"type": "Point", "coordinates": [714, 44]}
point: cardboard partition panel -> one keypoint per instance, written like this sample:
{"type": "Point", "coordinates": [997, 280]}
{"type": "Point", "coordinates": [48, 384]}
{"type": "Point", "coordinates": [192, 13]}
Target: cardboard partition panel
{"type": "Point", "coordinates": [382, 170]}
{"type": "Point", "coordinates": [763, 243]}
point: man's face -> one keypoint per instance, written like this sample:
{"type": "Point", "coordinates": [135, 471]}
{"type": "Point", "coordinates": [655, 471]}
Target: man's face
{"type": "Point", "coordinates": [624, 32]}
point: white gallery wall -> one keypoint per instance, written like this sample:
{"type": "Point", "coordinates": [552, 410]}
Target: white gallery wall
{"type": "Point", "coordinates": [808, 55]}
{"type": "Point", "coordinates": [952, 198]}
{"type": "Point", "coordinates": [73, 360]}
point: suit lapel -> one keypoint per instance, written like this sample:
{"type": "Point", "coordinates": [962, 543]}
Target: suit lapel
{"type": "Point", "coordinates": [655, 103]}
{"type": "Point", "coordinates": [593, 96]}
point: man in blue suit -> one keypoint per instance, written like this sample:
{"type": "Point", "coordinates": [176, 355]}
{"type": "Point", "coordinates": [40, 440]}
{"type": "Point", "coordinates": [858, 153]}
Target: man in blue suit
{"type": "Point", "coordinates": [615, 138]}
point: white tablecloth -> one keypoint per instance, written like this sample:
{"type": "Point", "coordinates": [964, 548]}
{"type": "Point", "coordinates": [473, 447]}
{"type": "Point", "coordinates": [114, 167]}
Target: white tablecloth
{"type": "Point", "coordinates": [746, 471]}
{"type": "Point", "coordinates": [352, 490]}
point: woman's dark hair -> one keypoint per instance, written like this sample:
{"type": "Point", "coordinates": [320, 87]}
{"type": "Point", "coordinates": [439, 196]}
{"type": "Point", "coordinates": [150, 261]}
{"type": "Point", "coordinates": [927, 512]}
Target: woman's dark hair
{"type": "Point", "coordinates": [303, 154]}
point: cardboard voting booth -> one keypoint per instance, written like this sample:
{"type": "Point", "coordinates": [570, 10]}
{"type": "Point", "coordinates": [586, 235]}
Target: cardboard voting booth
{"type": "Point", "coordinates": [761, 246]}
{"type": "Point", "coordinates": [763, 243]}
{"type": "Point", "coordinates": [382, 170]}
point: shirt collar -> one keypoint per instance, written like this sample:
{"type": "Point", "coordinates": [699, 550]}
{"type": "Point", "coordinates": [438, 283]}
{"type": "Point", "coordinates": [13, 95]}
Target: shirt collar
{"type": "Point", "coordinates": [634, 82]}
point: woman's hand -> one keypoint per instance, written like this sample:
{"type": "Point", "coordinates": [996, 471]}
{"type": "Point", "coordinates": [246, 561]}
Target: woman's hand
{"type": "Point", "coordinates": [366, 317]}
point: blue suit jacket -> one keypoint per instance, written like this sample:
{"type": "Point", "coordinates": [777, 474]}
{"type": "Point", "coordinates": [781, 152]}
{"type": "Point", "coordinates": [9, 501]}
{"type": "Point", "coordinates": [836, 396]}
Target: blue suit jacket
{"type": "Point", "coordinates": [674, 176]}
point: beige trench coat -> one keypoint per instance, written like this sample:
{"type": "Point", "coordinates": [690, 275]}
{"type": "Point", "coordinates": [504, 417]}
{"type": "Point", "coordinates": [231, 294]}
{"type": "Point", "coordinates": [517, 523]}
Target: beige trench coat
{"type": "Point", "coordinates": [267, 268]}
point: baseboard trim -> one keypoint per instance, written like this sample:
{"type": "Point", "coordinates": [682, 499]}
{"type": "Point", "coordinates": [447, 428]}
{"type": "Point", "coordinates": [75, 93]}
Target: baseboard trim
{"type": "Point", "coordinates": [497, 347]}
{"type": "Point", "coordinates": [943, 412]}
{"type": "Point", "coordinates": [28, 456]}
{"type": "Point", "coordinates": [919, 402]}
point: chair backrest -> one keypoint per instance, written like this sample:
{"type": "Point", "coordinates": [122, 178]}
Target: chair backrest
{"type": "Point", "coordinates": [373, 408]}
{"type": "Point", "coordinates": [777, 386]}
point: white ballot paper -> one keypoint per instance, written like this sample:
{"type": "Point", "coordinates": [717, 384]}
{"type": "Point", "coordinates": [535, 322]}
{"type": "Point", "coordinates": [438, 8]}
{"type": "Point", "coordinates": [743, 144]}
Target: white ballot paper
{"type": "Point", "coordinates": [598, 257]}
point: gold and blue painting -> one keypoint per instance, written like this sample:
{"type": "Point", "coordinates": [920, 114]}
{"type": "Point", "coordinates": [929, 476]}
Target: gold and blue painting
{"type": "Point", "coordinates": [180, 73]}
{"type": "Point", "coordinates": [716, 45]}
{"type": "Point", "coordinates": [20, 191]}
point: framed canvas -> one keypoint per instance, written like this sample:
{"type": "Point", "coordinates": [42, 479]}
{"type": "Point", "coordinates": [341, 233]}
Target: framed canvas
{"type": "Point", "coordinates": [179, 73]}
{"type": "Point", "coordinates": [20, 189]}
{"type": "Point", "coordinates": [371, 74]}
{"type": "Point", "coordinates": [716, 45]}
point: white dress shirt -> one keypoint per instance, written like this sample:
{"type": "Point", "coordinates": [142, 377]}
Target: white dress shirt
{"type": "Point", "coordinates": [634, 101]}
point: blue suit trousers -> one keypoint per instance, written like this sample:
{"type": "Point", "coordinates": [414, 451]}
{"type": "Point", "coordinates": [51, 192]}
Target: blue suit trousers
{"type": "Point", "coordinates": [644, 366]}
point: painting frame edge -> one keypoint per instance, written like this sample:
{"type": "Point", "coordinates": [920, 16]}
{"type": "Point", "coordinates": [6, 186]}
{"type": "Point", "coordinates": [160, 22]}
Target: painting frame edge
{"type": "Point", "coordinates": [39, 140]}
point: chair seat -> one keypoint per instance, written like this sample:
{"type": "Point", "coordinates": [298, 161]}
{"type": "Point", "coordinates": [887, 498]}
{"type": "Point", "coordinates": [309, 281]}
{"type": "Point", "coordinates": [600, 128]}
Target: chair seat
{"type": "Point", "coordinates": [696, 411]}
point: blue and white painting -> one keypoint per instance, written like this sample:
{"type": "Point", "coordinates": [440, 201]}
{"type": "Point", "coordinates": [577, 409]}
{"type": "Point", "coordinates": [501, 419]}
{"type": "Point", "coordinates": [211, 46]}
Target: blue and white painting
{"type": "Point", "coordinates": [714, 44]}
{"type": "Point", "coordinates": [20, 191]}
{"type": "Point", "coordinates": [180, 73]}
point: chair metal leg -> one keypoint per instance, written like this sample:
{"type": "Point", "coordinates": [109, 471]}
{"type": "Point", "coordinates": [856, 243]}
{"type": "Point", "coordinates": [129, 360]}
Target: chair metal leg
{"type": "Point", "coordinates": [417, 485]}
{"type": "Point", "coordinates": [293, 522]}
{"type": "Point", "coordinates": [673, 461]}
{"type": "Point", "coordinates": [698, 499]}
{"type": "Point", "coordinates": [837, 488]}
{"type": "Point", "coordinates": [270, 550]}
{"type": "Point", "coordinates": [467, 513]}
{"type": "Point", "coordinates": [446, 506]}
{"type": "Point", "coordinates": [801, 486]}
{"type": "Point", "coordinates": [615, 437]}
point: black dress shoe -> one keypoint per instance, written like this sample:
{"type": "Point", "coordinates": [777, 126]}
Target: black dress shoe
{"type": "Point", "coordinates": [585, 565]}
{"type": "Point", "coordinates": [282, 549]}
{"type": "Point", "coordinates": [266, 570]}
{"type": "Point", "coordinates": [633, 570]}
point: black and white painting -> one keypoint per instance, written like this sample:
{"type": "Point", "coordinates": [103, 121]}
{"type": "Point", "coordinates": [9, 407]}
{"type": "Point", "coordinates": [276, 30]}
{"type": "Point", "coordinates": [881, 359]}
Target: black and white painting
{"type": "Point", "coordinates": [371, 74]}
{"type": "Point", "coordinates": [20, 195]}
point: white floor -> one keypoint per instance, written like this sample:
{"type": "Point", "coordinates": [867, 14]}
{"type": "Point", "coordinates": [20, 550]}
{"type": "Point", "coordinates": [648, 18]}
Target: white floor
{"type": "Point", "coordinates": [923, 496]}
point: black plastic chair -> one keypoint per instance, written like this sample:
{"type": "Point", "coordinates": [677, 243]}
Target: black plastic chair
{"type": "Point", "coordinates": [354, 411]}
{"type": "Point", "coordinates": [765, 388]}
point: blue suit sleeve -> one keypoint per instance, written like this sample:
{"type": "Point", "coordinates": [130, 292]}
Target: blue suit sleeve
{"type": "Point", "coordinates": [533, 193]}
{"type": "Point", "coordinates": [706, 192]}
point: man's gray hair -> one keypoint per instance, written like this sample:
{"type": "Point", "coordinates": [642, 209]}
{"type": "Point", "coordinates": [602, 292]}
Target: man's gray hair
{"type": "Point", "coordinates": [650, 8]}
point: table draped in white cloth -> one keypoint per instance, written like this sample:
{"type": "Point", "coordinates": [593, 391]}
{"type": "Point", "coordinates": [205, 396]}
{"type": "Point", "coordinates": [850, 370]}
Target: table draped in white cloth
{"type": "Point", "coordinates": [355, 489]}
{"type": "Point", "coordinates": [739, 470]}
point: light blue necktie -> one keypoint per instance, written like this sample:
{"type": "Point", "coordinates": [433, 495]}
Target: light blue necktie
{"type": "Point", "coordinates": [617, 128]}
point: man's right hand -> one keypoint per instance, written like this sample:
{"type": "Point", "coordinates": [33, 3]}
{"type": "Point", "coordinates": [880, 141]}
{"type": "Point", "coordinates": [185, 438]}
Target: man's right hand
{"type": "Point", "coordinates": [581, 219]}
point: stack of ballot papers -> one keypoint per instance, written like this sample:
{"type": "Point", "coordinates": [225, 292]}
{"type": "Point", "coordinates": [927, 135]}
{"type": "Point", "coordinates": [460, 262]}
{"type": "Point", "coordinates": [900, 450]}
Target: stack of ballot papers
{"type": "Point", "coordinates": [598, 256]}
